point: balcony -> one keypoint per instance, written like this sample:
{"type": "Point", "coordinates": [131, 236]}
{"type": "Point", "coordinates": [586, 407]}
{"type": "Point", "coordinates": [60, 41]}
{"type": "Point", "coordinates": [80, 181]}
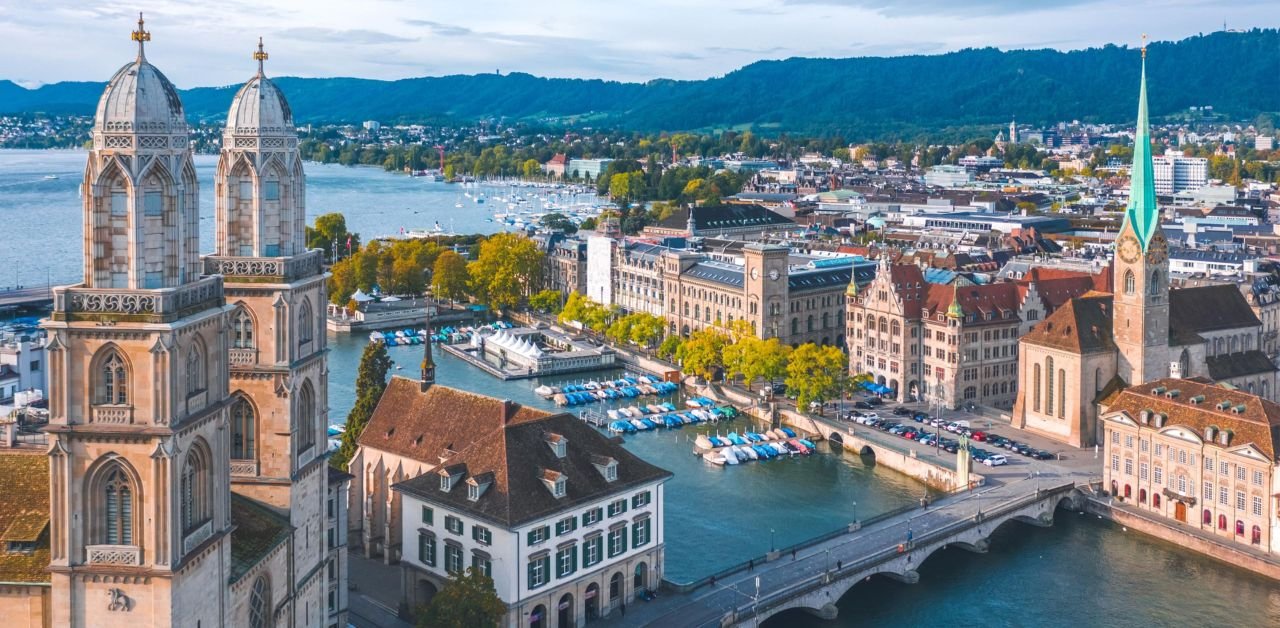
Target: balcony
{"type": "Point", "coordinates": [196, 537]}
{"type": "Point", "coordinates": [111, 415]}
{"type": "Point", "coordinates": [242, 357]}
{"type": "Point", "coordinates": [124, 555]}
{"type": "Point", "coordinates": [244, 468]}
{"type": "Point", "coordinates": [160, 305]}
{"type": "Point", "coordinates": [265, 269]}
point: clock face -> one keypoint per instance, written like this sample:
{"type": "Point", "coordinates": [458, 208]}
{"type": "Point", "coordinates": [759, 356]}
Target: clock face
{"type": "Point", "coordinates": [755, 273]}
{"type": "Point", "coordinates": [1128, 249]}
{"type": "Point", "coordinates": [773, 274]}
{"type": "Point", "coordinates": [1159, 250]}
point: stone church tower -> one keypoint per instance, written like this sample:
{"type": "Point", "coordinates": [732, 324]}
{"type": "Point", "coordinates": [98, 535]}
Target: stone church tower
{"type": "Point", "coordinates": [140, 523]}
{"type": "Point", "coordinates": [275, 291]}
{"type": "Point", "coordinates": [1141, 279]}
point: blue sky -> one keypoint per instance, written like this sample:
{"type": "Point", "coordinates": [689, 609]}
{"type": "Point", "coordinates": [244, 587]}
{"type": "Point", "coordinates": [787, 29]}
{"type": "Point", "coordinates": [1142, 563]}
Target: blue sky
{"type": "Point", "coordinates": [210, 42]}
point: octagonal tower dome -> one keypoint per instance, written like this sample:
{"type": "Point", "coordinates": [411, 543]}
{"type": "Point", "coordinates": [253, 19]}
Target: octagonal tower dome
{"type": "Point", "coordinates": [139, 98]}
{"type": "Point", "coordinates": [260, 108]}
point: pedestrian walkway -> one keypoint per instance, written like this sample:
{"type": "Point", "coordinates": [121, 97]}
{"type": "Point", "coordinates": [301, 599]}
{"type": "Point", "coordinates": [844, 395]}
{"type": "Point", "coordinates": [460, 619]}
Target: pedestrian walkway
{"type": "Point", "coordinates": [375, 596]}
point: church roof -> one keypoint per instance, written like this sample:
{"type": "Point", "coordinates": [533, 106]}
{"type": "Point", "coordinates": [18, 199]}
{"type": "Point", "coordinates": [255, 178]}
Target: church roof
{"type": "Point", "coordinates": [139, 98]}
{"type": "Point", "coordinates": [1082, 325]}
{"type": "Point", "coordinates": [258, 530]}
{"type": "Point", "coordinates": [1231, 365]}
{"type": "Point", "coordinates": [1210, 308]}
{"type": "Point", "coordinates": [516, 458]}
{"type": "Point", "coordinates": [421, 426]}
{"type": "Point", "coordinates": [1257, 422]}
{"type": "Point", "coordinates": [260, 108]}
{"type": "Point", "coordinates": [1142, 213]}
{"type": "Point", "coordinates": [24, 515]}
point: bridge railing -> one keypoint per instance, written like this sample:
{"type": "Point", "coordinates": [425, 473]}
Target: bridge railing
{"type": "Point", "coordinates": [813, 583]}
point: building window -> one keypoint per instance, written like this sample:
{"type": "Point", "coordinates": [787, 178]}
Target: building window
{"type": "Point", "coordinates": [1159, 475]}
{"type": "Point", "coordinates": [152, 204]}
{"type": "Point", "coordinates": [260, 604]}
{"type": "Point", "coordinates": [306, 326]}
{"type": "Point", "coordinates": [1048, 390]}
{"type": "Point", "coordinates": [194, 489]}
{"type": "Point", "coordinates": [1128, 466]}
{"type": "Point", "coordinates": [1239, 500]}
{"type": "Point", "coordinates": [118, 495]}
{"type": "Point", "coordinates": [566, 561]}
{"type": "Point", "coordinates": [1208, 492]}
{"type": "Point", "coordinates": [591, 550]}
{"type": "Point", "coordinates": [538, 535]}
{"type": "Point", "coordinates": [114, 378]}
{"type": "Point", "coordinates": [617, 540]}
{"type": "Point", "coordinates": [1142, 471]}
{"type": "Point", "coordinates": [483, 565]}
{"type": "Point", "coordinates": [617, 507]}
{"type": "Point", "coordinates": [305, 429]}
{"type": "Point", "coordinates": [427, 549]}
{"type": "Point", "coordinates": [640, 533]}
{"type": "Point", "coordinates": [1115, 462]}
{"type": "Point", "coordinates": [242, 329]}
{"type": "Point", "coordinates": [592, 517]}
{"type": "Point", "coordinates": [242, 430]}
{"type": "Point", "coordinates": [566, 525]}
{"type": "Point", "coordinates": [270, 190]}
{"type": "Point", "coordinates": [1257, 478]}
{"type": "Point", "coordinates": [428, 515]}
{"type": "Point", "coordinates": [481, 535]}
{"type": "Point", "coordinates": [1240, 472]}
{"type": "Point", "coordinates": [640, 500]}
{"type": "Point", "coordinates": [452, 558]}
{"type": "Point", "coordinates": [453, 524]}
{"type": "Point", "coordinates": [1129, 282]}
{"type": "Point", "coordinates": [539, 569]}
{"type": "Point", "coordinates": [1257, 506]}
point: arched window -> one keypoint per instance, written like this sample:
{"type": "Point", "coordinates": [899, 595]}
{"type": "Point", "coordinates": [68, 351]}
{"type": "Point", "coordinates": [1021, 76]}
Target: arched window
{"type": "Point", "coordinates": [117, 512]}
{"type": "Point", "coordinates": [1184, 363]}
{"type": "Point", "coordinates": [1129, 282]}
{"type": "Point", "coordinates": [305, 410]}
{"type": "Point", "coordinates": [1155, 500]}
{"type": "Point", "coordinates": [1048, 389]}
{"type": "Point", "coordinates": [1208, 517]}
{"type": "Point", "coordinates": [1153, 288]}
{"type": "Point", "coordinates": [113, 380]}
{"type": "Point", "coordinates": [1097, 380]}
{"type": "Point", "coordinates": [1222, 522]}
{"type": "Point", "coordinates": [260, 603]}
{"type": "Point", "coordinates": [1062, 393]}
{"type": "Point", "coordinates": [242, 329]}
{"type": "Point", "coordinates": [196, 380]}
{"type": "Point", "coordinates": [243, 434]}
{"type": "Point", "coordinates": [895, 329]}
{"type": "Point", "coordinates": [971, 392]}
{"type": "Point", "coordinates": [810, 323]}
{"type": "Point", "coordinates": [306, 326]}
{"type": "Point", "coordinates": [1035, 388]}
{"type": "Point", "coordinates": [884, 324]}
{"type": "Point", "coordinates": [194, 488]}
{"type": "Point", "coordinates": [795, 325]}
{"type": "Point", "coordinates": [826, 320]}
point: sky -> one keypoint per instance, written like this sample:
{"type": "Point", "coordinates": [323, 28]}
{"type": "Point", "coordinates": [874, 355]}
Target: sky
{"type": "Point", "coordinates": [210, 42]}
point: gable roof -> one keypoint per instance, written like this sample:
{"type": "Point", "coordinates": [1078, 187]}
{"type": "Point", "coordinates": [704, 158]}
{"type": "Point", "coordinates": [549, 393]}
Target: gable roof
{"type": "Point", "coordinates": [1258, 425]}
{"type": "Point", "coordinates": [1229, 365]}
{"type": "Point", "coordinates": [729, 216]}
{"type": "Point", "coordinates": [24, 515]}
{"type": "Point", "coordinates": [1209, 308]}
{"type": "Point", "coordinates": [518, 458]}
{"type": "Point", "coordinates": [258, 530]}
{"type": "Point", "coordinates": [421, 426]}
{"type": "Point", "coordinates": [1081, 325]}
{"type": "Point", "coordinates": [1001, 299]}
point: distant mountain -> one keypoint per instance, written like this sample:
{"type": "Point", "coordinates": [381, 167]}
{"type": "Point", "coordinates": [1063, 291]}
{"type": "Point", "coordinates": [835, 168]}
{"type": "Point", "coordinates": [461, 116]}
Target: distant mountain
{"type": "Point", "coordinates": [862, 98]}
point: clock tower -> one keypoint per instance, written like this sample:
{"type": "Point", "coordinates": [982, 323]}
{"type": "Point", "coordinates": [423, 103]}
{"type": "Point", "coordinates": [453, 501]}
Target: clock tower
{"type": "Point", "coordinates": [1141, 279]}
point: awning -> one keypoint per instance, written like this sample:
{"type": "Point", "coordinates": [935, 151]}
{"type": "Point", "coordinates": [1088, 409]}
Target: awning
{"type": "Point", "coordinates": [361, 297]}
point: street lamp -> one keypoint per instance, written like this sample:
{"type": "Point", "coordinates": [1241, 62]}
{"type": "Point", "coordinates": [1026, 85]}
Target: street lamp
{"type": "Point", "coordinates": [771, 545]}
{"type": "Point", "coordinates": [855, 512]}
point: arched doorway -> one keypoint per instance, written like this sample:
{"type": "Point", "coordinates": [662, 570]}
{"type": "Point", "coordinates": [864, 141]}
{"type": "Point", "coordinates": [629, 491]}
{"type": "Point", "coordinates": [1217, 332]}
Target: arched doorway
{"type": "Point", "coordinates": [1179, 511]}
{"type": "Point", "coordinates": [538, 618]}
{"type": "Point", "coordinates": [1128, 492]}
{"type": "Point", "coordinates": [1142, 496]}
{"type": "Point", "coordinates": [615, 590]}
{"type": "Point", "coordinates": [424, 590]}
{"type": "Point", "coordinates": [641, 582]}
{"type": "Point", "coordinates": [1257, 536]}
{"type": "Point", "coordinates": [565, 619]}
{"type": "Point", "coordinates": [592, 600]}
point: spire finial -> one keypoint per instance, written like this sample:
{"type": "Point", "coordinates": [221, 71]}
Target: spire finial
{"type": "Point", "coordinates": [141, 35]}
{"type": "Point", "coordinates": [427, 376]}
{"type": "Point", "coordinates": [260, 56]}
{"type": "Point", "coordinates": [1144, 45]}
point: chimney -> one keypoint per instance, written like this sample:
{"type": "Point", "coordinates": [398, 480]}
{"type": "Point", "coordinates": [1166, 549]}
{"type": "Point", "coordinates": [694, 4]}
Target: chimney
{"type": "Point", "coordinates": [508, 410]}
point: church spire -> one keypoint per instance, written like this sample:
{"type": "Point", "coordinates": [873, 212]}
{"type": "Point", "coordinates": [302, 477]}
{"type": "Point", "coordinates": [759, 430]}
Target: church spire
{"type": "Point", "coordinates": [141, 35]}
{"type": "Point", "coordinates": [428, 373]}
{"type": "Point", "coordinates": [954, 310]}
{"type": "Point", "coordinates": [1142, 212]}
{"type": "Point", "coordinates": [260, 56]}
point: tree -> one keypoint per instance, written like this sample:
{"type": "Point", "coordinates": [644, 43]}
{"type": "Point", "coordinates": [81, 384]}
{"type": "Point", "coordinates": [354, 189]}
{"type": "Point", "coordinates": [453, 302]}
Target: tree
{"type": "Point", "coordinates": [547, 301]}
{"type": "Point", "coordinates": [670, 346]}
{"type": "Point", "coordinates": [371, 380]}
{"type": "Point", "coordinates": [531, 168]}
{"type": "Point", "coordinates": [767, 361]}
{"type": "Point", "coordinates": [739, 349]}
{"type": "Point", "coordinates": [646, 329]}
{"type": "Point", "coordinates": [449, 277]}
{"type": "Point", "coordinates": [506, 268]}
{"type": "Point", "coordinates": [702, 352]}
{"type": "Point", "coordinates": [558, 222]}
{"type": "Point", "coordinates": [588, 224]}
{"type": "Point", "coordinates": [816, 374]}
{"type": "Point", "coordinates": [467, 600]}
{"type": "Point", "coordinates": [331, 228]}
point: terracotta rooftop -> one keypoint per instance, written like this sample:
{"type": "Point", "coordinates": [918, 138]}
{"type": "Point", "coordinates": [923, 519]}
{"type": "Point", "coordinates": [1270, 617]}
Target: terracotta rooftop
{"type": "Point", "coordinates": [24, 515]}
{"type": "Point", "coordinates": [1257, 423]}
{"type": "Point", "coordinates": [1000, 300]}
{"type": "Point", "coordinates": [519, 459]}
{"type": "Point", "coordinates": [1081, 325]}
{"type": "Point", "coordinates": [421, 426]}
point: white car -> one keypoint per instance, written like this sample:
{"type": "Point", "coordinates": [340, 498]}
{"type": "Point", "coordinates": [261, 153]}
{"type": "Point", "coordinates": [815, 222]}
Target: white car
{"type": "Point", "coordinates": [996, 460]}
{"type": "Point", "coordinates": [867, 416]}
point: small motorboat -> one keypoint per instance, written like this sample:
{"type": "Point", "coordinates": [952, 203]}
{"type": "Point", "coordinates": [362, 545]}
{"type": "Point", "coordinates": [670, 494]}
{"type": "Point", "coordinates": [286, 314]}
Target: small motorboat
{"type": "Point", "coordinates": [750, 451]}
{"type": "Point", "coordinates": [788, 431]}
{"type": "Point", "coordinates": [807, 443]}
{"type": "Point", "coordinates": [780, 448]}
{"type": "Point", "coordinates": [714, 458]}
{"type": "Point", "coordinates": [639, 424]}
{"type": "Point", "coordinates": [702, 442]}
{"type": "Point", "coordinates": [729, 456]}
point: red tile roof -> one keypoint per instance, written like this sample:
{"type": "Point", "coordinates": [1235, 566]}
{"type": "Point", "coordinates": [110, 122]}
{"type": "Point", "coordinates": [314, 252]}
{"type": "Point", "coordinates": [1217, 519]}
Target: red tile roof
{"type": "Point", "coordinates": [1257, 424]}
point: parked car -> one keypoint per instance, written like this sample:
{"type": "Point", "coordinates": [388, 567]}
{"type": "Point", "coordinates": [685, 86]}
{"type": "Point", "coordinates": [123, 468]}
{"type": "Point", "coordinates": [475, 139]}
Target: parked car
{"type": "Point", "coordinates": [996, 460]}
{"type": "Point", "coordinates": [901, 411]}
{"type": "Point", "coordinates": [875, 401]}
{"type": "Point", "coordinates": [1041, 454]}
{"type": "Point", "coordinates": [978, 436]}
{"type": "Point", "coordinates": [920, 416]}
{"type": "Point", "coordinates": [861, 405]}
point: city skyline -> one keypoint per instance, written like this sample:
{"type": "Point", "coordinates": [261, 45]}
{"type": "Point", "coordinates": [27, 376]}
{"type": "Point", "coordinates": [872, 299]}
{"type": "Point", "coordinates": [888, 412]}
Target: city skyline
{"type": "Point", "coordinates": [390, 39]}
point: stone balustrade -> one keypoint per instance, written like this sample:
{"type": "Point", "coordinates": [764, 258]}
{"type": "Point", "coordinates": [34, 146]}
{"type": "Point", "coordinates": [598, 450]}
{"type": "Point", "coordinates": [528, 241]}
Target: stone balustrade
{"type": "Point", "coordinates": [244, 468]}
{"type": "Point", "coordinates": [242, 357]}
{"type": "Point", "coordinates": [149, 305]}
{"type": "Point", "coordinates": [197, 536]}
{"type": "Point", "coordinates": [286, 269]}
{"type": "Point", "coordinates": [126, 555]}
{"type": "Point", "coordinates": [112, 415]}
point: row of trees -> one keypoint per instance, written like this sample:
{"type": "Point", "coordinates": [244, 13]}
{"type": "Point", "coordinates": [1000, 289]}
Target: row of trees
{"type": "Point", "coordinates": [638, 328]}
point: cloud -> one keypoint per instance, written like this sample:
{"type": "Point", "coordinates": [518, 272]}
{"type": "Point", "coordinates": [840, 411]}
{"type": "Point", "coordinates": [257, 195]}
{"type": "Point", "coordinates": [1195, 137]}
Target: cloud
{"type": "Point", "coordinates": [336, 36]}
{"type": "Point", "coordinates": [969, 8]}
{"type": "Point", "coordinates": [443, 30]}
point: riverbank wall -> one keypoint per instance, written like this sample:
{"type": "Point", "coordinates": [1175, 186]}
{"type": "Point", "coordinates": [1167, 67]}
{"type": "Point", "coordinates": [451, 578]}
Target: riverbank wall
{"type": "Point", "coordinates": [1182, 536]}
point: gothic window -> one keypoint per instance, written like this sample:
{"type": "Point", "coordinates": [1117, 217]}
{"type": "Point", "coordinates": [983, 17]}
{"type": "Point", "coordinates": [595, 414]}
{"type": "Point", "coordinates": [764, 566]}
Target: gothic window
{"type": "Point", "coordinates": [895, 329]}
{"type": "Point", "coordinates": [194, 488]}
{"type": "Point", "coordinates": [113, 380]}
{"type": "Point", "coordinates": [243, 437]}
{"type": "Point", "coordinates": [810, 323]}
{"type": "Point", "coordinates": [1062, 393]}
{"type": "Point", "coordinates": [795, 325]}
{"type": "Point", "coordinates": [1129, 282]}
{"type": "Point", "coordinates": [1154, 288]}
{"type": "Point", "coordinates": [1035, 389]}
{"type": "Point", "coordinates": [196, 382]}
{"type": "Point", "coordinates": [242, 329]}
{"type": "Point", "coordinates": [305, 430]}
{"type": "Point", "coordinates": [1048, 390]}
{"type": "Point", "coordinates": [260, 604]}
{"type": "Point", "coordinates": [117, 495]}
{"type": "Point", "coordinates": [1097, 380]}
{"type": "Point", "coordinates": [306, 326]}
{"type": "Point", "coordinates": [826, 320]}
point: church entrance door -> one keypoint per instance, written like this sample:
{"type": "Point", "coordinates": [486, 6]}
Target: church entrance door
{"type": "Point", "coordinates": [1180, 511]}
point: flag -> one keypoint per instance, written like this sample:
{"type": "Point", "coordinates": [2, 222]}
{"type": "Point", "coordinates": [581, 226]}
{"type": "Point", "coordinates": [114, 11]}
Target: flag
{"type": "Point", "coordinates": [348, 244]}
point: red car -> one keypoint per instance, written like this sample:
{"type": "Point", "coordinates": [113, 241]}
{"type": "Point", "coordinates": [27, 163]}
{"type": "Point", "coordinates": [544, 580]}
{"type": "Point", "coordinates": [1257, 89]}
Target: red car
{"type": "Point", "coordinates": [979, 436]}
{"type": "Point", "coordinates": [909, 435]}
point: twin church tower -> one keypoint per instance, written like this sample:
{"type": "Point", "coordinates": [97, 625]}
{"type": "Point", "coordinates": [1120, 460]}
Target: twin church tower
{"type": "Point", "coordinates": [188, 393]}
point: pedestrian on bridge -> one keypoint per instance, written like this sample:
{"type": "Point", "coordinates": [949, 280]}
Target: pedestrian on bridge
{"type": "Point", "coordinates": [793, 554]}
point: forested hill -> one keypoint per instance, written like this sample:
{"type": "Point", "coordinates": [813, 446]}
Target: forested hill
{"type": "Point", "coordinates": [861, 98]}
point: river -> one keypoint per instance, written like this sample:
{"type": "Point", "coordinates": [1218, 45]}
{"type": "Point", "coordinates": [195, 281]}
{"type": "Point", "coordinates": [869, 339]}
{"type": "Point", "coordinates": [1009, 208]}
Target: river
{"type": "Point", "coordinates": [1081, 571]}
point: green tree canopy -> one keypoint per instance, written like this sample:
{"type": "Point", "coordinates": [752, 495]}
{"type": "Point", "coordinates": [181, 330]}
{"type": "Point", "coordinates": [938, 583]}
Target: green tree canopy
{"type": "Point", "coordinates": [505, 271]}
{"type": "Point", "coordinates": [816, 374]}
{"type": "Point", "coordinates": [702, 353]}
{"type": "Point", "coordinates": [371, 380]}
{"type": "Point", "coordinates": [467, 600]}
{"type": "Point", "coordinates": [547, 301]}
{"type": "Point", "coordinates": [559, 222]}
{"type": "Point", "coordinates": [449, 277]}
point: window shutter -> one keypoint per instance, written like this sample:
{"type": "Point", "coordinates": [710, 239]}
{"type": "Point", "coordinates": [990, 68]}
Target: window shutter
{"type": "Point", "coordinates": [529, 576]}
{"type": "Point", "coordinates": [529, 540]}
{"type": "Point", "coordinates": [475, 533]}
{"type": "Point", "coordinates": [573, 564]}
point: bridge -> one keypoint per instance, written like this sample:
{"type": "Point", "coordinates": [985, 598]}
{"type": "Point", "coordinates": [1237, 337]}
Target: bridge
{"type": "Point", "coordinates": [26, 297]}
{"type": "Point", "coordinates": [818, 574]}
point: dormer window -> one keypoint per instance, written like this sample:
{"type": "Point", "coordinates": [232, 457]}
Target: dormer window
{"type": "Point", "coordinates": [611, 471]}
{"type": "Point", "coordinates": [446, 483]}
{"type": "Point", "coordinates": [478, 484]}
{"type": "Point", "coordinates": [558, 444]}
{"type": "Point", "coordinates": [555, 482]}
{"type": "Point", "coordinates": [450, 475]}
{"type": "Point", "coordinates": [608, 467]}
{"type": "Point", "coordinates": [473, 492]}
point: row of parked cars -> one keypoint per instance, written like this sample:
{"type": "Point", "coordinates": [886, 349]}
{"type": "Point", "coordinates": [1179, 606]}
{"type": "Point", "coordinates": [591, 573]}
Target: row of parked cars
{"type": "Point", "coordinates": [925, 436]}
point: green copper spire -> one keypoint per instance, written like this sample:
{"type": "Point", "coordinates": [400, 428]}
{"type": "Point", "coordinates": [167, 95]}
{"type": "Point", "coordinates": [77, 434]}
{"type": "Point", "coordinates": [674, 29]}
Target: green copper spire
{"type": "Point", "coordinates": [1142, 212]}
{"type": "Point", "coordinates": [954, 310]}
